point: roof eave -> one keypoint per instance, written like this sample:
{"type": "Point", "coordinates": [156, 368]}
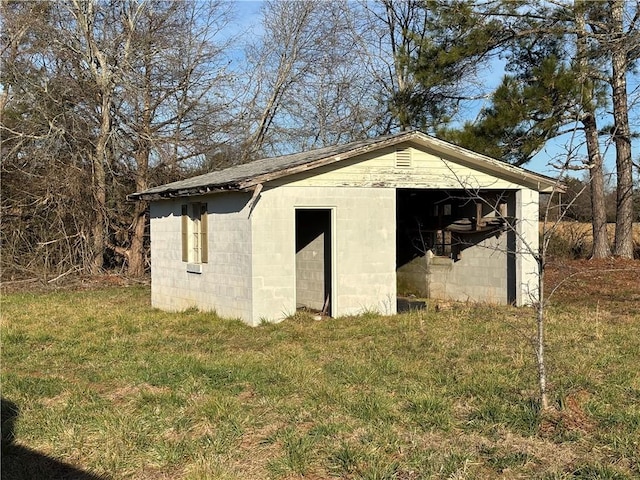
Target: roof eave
{"type": "Point", "coordinates": [183, 192]}
{"type": "Point", "coordinates": [518, 175]}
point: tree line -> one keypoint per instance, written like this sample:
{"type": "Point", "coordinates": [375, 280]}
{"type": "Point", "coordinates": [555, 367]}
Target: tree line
{"type": "Point", "coordinates": [105, 97]}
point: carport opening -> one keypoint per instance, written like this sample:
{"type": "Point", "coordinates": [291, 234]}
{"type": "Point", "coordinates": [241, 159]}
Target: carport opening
{"type": "Point", "coordinates": [434, 228]}
{"type": "Point", "coordinates": [423, 218]}
{"type": "Point", "coordinates": [445, 222]}
{"type": "Point", "coordinates": [313, 260]}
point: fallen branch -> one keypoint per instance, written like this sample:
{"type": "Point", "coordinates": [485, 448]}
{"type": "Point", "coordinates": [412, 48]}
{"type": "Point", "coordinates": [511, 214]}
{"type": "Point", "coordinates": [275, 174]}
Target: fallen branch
{"type": "Point", "coordinates": [71, 270]}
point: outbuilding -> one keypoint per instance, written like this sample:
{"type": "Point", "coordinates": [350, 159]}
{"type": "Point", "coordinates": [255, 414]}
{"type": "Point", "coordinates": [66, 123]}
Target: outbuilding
{"type": "Point", "coordinates": [346, 229]}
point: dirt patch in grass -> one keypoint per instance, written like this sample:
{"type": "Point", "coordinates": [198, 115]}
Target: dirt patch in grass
{"type": "Point", "coordinates": [548, 455]}
{"type": "Point", "coordinates": [127, 393]}
{"type": "Point", "coordinates": [610, 283]}
{"type": "Point", "coordinates": [571, 417]}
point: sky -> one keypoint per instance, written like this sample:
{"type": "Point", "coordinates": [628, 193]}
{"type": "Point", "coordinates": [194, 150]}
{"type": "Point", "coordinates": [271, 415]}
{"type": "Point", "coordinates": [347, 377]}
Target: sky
{"type": "Point", "coordinates": [247, 16]}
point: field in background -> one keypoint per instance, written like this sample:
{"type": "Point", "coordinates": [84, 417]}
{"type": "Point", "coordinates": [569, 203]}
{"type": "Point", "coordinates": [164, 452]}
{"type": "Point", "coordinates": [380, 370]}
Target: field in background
{"type": "Point", "coordinates": [575, 239]}
{"type": "Point", "coordinates": [104, 384]}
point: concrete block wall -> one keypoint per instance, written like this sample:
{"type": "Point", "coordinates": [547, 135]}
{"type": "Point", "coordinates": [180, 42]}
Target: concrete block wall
{"type": "Point", "coordinates": [224, 285]}
{"type": "Point", "coordinates": [310, 270]}
{"type": "Point", "coordinates": [363, 247]}
{"type": "Point", "coordinates": [480, 274]}
{"type": "Point", "coordinates": [526, 246]}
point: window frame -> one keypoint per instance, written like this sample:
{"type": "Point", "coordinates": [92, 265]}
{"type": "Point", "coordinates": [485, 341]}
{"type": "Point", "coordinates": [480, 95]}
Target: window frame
{"type": "Point", "coordinates": [195, 233]}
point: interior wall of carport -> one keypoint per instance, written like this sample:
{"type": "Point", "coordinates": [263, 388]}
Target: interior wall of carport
{"type": "Point", "coordinates": [363, 231]}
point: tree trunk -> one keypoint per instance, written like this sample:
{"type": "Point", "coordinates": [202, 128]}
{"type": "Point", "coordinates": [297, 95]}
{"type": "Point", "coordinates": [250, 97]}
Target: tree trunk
{"type": "Point", "coordinates": [621, 136]}
{"type": "Point", "coordinates": [99, 230]}
{"type": "Point", "coordinates": [540, 340]}
{"type": "Point", "coordinates": [136, 253]}
{"type": "Point", "coordinates": [97, 63]}
{"type": "Point", "coordinates": [601, 247]}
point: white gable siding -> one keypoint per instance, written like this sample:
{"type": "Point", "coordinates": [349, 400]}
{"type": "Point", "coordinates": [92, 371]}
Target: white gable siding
{"type": "Point", "coordinates": [380, 169]}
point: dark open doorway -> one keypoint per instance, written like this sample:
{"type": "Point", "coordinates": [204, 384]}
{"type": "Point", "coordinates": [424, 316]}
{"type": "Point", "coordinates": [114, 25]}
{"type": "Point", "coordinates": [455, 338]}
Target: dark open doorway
{"type": "Point", "coordinates": [313, 260]}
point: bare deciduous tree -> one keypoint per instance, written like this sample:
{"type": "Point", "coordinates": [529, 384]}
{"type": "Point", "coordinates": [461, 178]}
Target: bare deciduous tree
{"type": "Point", "coordinates": [305, 88]}
{"type": "Point", "coordinates": [166, 85]}
{"type": "Point", "coordinates": [47, 145]}
{"type": "Point", "coordinates": [107, 96]}
{"type": "Point", "coordinates": [539, 296]}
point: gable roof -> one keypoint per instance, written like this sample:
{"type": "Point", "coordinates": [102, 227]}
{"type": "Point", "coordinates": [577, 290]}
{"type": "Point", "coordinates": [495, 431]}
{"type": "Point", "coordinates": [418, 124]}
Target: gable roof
{"type": "Point", "coordinates": [247, 176]}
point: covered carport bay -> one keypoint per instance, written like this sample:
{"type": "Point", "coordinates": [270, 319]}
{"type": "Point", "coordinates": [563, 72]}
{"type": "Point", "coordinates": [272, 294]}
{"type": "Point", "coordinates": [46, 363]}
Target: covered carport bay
{"type": "Point", "coordinates": [456, 244]}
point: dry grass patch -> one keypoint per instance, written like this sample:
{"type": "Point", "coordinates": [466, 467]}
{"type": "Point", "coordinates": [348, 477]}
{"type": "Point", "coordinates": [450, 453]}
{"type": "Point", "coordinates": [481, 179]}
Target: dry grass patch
{"type": "Point", "coordinates": [572, 239]}
{"type": "Point", "coordinates": [608, 290]}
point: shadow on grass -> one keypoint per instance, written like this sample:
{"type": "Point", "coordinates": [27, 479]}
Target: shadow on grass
{"type": "Point", "coordinates": [22, 463]}
{"type": "Point", "coordinates": [408, 305]}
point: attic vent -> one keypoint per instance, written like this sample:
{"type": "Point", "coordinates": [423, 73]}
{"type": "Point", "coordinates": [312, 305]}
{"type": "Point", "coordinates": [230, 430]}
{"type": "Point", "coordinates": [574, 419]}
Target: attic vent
{"type": "Point", "coordinates": [403, 158]}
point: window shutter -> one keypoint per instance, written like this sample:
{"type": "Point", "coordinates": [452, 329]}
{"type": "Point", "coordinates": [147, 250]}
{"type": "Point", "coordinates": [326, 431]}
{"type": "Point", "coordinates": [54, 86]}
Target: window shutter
{"type": "Point", "coordinates": [185, 233]}
{"type": "Point", "coordinates": [204, 234]}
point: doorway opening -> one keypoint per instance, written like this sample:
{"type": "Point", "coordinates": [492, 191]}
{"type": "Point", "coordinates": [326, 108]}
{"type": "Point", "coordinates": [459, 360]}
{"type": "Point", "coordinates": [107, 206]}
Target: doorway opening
{"type": "Point", "coordinates": [313, 260]}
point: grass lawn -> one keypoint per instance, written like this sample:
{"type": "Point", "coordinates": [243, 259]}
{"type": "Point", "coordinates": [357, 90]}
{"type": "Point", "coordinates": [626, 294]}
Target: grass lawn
{"type": "Point", "coordinates": [106, 385]}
